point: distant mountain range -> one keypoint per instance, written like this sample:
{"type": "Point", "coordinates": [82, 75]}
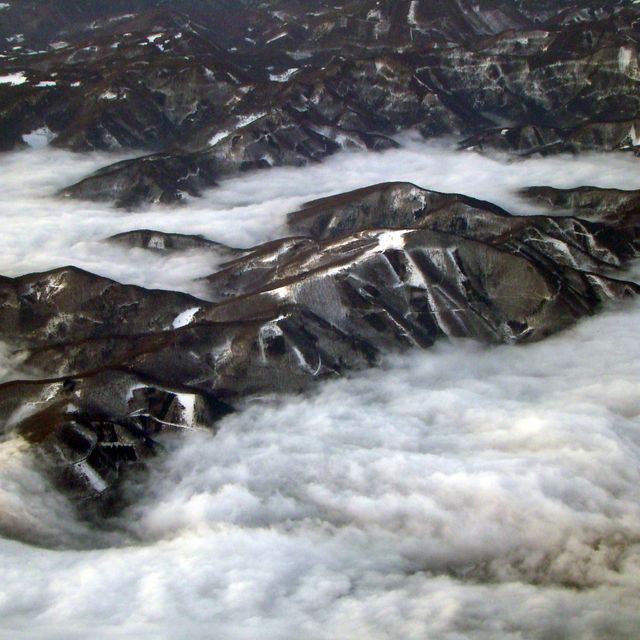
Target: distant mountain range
{"type": "Point", "coordinates": [213, 88]}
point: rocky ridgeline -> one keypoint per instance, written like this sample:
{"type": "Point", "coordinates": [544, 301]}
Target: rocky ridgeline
{"type": "Point", "coordinates": [389, 267]}
{"type": "Point", "coordinates": [212, 88]}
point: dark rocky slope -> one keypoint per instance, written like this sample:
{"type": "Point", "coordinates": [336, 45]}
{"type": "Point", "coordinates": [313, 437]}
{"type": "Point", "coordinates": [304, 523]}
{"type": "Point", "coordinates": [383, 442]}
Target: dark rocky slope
{"type": "Point", "coordinates": [213, 88]}
{"type": "Point", "coordinates": [614, 206]}
{"type": "Point", "coordinates": [203, 90]}
{"type": "Point", "coordinates": [592, 242]}
{"type": "Point", "coordinates": [173, 243]}
{"type": "Point", "coordinates": [391, 266]}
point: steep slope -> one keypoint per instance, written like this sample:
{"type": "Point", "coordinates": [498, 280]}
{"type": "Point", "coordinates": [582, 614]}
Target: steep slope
{"type": "Point", "coordinates": [389, 267]}
{"type": "Point", "coordinates": [216, 88]}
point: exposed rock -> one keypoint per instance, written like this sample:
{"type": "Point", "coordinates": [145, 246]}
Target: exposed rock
{"type": "Point", "coordinates": [72, 304]}
{"type": "Point", "coordinates": [408, 286]}
{"type": "Point", "coordinates": [159, 178]}
{"type": "Point", "coordinates": [528, 140]}
{"type": "Point", "coordinates": [273, 139]}
{"type": "Point", "coordinates": [391, 204]}
{"type": "Point", "coordinates": [570, 241]}
{"type": "Point", "coordinates": [214, 89]}
{"type": "Point", "coordinates": [91, 430]}
{"type": "Point", "coordinates": [173, 242]}
{"type": "Point", "coordinates": [208, 90]}
{"type": "Point", "coordinates": [613, 206]}
{"type": "Point", "coordinates": [391, 266]}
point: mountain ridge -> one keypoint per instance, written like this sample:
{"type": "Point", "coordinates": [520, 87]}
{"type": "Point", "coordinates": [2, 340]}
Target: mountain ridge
{"type": "Point", "coordinates": [216, 89]}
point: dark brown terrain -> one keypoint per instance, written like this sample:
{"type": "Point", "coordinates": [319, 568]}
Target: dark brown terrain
{"type": "Point", "coordinates": [205, 90]}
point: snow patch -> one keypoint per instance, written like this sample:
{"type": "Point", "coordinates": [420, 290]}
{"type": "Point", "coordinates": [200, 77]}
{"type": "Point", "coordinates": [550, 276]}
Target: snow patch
{"type": "Point", "coordinates": [411, 17]}
{"type": "Point", "coordinates": [280, 35]}
{"type": "Point", "coordinates": [14, 78]}
{"type": "Point", "coordinates": [391, 240]}
{"type": "Point", "coordinates": [269, 331]}
{"type": "Point", "coordinates": [132, 391]}
{"type": "Point", "coordinates": [188, 403]}
{"type": "Point", "coordinates": [96, 481]}
{"type": "Point", "coordinates": [185, 318]}
{"type": "Point", "coordinates": [283, 77]}
{"type": "Point", "coordinates": [247, 120]}
{"type": "Point", "coordinates": [624, 58]}
{"type": "Point", "coordinates": [157, 242]}
{"type": "Point", "coordinates": [221, 135]}
{"type": "Point", "coordinates": [382, 68]}
{"type": "Point", "coordinates": [304, 364]}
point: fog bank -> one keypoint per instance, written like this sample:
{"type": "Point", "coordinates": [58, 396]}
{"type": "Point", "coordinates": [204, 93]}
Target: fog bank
{"type": "Point", "coordinates": [461, 493]}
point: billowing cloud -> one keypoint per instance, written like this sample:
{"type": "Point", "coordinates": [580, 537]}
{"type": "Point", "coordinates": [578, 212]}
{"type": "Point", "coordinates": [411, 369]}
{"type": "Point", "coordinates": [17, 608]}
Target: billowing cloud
{"type": "Point", "coordinates": [461, 492]}
{"type": "Point", "coordinates": [465, 491]}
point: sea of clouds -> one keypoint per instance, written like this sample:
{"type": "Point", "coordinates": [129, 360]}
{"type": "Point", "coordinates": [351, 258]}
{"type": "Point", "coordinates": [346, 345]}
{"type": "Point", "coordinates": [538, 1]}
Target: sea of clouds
{"type": "Point", "coordinates": [40, 231]}
{"type": "Point", "coordinates": [464, 492]}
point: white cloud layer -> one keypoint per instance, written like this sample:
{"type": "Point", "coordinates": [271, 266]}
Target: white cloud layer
{"type": "Point", "coordinates": [464, 492]}
{"type": "Point", "coordinates": [41, 232]}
